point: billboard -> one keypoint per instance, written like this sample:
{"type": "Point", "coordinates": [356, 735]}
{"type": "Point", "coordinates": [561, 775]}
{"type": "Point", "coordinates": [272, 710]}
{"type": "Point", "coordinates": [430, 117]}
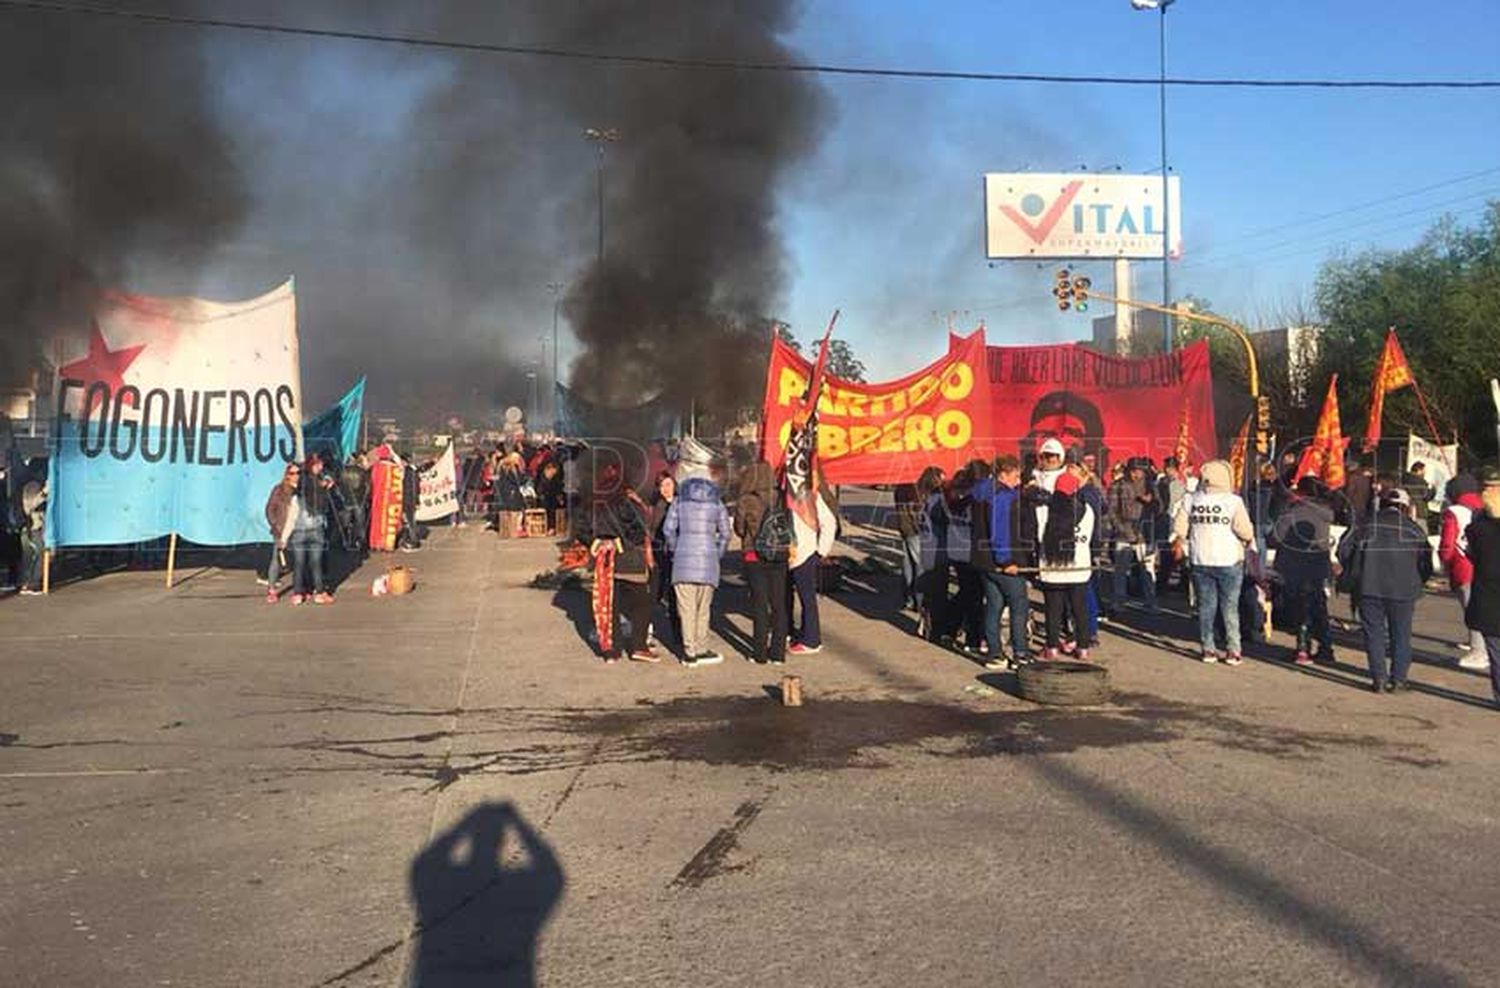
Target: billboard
{"type": "Point", "coordinates": [1078, 216]}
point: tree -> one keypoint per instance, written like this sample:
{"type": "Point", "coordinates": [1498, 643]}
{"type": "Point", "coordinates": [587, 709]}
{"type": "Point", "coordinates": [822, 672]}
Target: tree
{"type": "Point", "coordinates": [842, 363]}
{"type": "Point", "coordinates": [1443, 298]}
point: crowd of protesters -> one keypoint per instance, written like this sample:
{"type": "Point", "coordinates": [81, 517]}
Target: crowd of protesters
{"type": "Point", "coordinates": [977, 544]}
{"type": "Point", "coordinates": [974, 544]}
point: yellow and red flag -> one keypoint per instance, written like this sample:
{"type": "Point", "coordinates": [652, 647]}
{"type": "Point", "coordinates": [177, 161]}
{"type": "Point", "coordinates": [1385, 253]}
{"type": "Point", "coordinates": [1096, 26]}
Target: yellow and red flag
{"type": "Point", "coordinates": [1392, 373]}
{"type": "Point", "coordinates": [1184, 437]}
{"type": "Point", "coordinates": [1237, 451]}
{"type": "Point", "coordinates": [1325, 457]}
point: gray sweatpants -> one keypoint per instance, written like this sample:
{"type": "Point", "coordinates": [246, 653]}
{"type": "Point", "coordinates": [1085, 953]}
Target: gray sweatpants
{"type": "Point", "coordinates": [693, 603]}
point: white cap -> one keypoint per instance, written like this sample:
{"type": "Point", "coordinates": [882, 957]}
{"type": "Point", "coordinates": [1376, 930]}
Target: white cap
{"type": "Point", "coordinates": [1051, 448]}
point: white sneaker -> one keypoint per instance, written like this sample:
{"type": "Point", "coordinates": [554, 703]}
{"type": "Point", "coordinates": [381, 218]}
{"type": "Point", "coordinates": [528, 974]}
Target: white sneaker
{"type": "Point", "coordinates": [1210, 657]}
{"type": "Point", "coordinates": [703, 659]}
{"type": "Point", "coordinates": [1479, 663]}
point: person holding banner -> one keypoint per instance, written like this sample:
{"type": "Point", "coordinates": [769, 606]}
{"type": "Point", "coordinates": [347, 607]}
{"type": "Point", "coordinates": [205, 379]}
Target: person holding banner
{"type": "Point", "coordinates": [1066, 523]}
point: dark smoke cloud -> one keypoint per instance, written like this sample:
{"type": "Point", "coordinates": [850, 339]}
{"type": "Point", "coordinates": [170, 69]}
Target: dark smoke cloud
{"type": "Point", "coordinates": [110, 156]}
{"type": "Point", "coordinates": [423, 199]}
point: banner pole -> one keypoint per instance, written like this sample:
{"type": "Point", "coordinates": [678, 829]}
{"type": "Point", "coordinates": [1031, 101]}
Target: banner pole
{"type": "Point", "coordinates": [1426, 412]}
{"type": "Point", "coordinates": [171, 559]}
{"type": "Point", "coordinates": [46, 571]}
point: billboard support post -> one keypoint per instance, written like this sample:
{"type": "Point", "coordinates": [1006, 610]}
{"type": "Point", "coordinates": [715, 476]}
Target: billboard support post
{"type": "Point", "coordinates": [1124, 318]}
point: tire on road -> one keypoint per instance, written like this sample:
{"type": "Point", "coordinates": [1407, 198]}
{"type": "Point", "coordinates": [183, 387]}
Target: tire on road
{"type": "Point", "coordinates": [1064, 684]}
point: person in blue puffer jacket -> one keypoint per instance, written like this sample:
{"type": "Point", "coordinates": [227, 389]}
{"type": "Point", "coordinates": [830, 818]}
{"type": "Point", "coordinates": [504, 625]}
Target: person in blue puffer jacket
{"type": "Point", "coordinates": [697, 531]}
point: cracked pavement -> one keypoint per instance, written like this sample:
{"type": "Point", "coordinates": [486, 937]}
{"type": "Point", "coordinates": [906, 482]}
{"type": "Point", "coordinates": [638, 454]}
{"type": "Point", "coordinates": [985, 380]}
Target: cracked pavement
{"type": "Point", "coordinates": [447, 789]}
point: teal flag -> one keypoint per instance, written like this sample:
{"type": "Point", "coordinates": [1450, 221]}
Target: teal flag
{"type": "Point", "coordinates": [335, 432]}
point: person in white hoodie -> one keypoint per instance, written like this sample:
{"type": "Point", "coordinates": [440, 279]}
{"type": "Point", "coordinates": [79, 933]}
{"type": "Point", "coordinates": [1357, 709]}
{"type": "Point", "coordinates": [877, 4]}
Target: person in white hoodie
{"type": "Point", "coordinates": [808, 547]}
{"type": "Point", "coordinates": [1215, 526]}
{"type": "Point", "coordinates": [1065, 524]}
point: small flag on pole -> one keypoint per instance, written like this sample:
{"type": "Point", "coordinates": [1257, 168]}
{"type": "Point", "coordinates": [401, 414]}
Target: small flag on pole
{"type": "Point", "coordinates": [1325, 457]}
{"type": "Point", "coordinates": [1392, 373]}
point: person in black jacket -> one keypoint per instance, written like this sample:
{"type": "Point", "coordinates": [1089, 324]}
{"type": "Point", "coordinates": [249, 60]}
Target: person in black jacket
{"type": "Point", "coordinates": [1301, 539]}
{"type": "Point", "coordinates": [1388, 562]}
{"type": "Point", "coordinates": [1483, 613]}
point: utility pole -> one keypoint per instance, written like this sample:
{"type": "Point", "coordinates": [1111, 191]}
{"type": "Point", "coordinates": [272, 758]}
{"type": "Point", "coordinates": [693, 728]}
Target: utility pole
{"type": "Point", "coordinates": [555, 287]}
{"type": "Point", "coordinates": [601, 137]}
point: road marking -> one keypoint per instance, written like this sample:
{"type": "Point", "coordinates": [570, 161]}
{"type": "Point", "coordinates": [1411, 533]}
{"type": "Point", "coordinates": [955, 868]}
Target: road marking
{"type": "Point", "coordinates": [94, 773]}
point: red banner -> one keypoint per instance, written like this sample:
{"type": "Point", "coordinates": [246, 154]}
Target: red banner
{"type": "Point", "coordinates": [1111, 407]}
{"type": "Point", "coordinates": [884, 433]}
{"type": "Point", "coordinates": [979, 401]}
{"type": "Point", "coordinates": [387, 490]}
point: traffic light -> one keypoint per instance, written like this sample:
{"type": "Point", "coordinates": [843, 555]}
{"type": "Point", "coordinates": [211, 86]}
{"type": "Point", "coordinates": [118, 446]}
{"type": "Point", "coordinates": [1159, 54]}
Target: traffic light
{"type": "Point", "coordinates": [1062, 290]}
{"type": "Point", "coordinates": [1262, 413]}
{"type": "Point", "coordinates": [1081, 286]}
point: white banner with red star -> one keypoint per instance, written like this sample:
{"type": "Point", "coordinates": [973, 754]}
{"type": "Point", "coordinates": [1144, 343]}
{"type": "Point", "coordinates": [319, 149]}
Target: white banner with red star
{"type": "Point", "coordinates": [175, 415]}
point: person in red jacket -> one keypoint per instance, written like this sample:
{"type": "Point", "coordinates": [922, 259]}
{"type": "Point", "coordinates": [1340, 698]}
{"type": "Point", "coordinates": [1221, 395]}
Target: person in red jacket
{"type": "Point", "coordinates": [1464, 505]}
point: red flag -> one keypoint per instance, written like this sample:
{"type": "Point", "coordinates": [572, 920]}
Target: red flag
{"type": "Point", "coordinates": [1325, 457]}
{"type": "Point", "coordinates": [802, 443]}
{"type": "Point", "coordinates": [1392, 373]}
{"type": "Point", "coordinates": [1184, 436]}
{"type": "Point", "coordinates": [1237, 451]}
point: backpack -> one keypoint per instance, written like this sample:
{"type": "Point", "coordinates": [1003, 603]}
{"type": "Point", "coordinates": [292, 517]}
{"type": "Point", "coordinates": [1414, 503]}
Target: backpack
{"type": "Point", "coordinates": [774, 537]}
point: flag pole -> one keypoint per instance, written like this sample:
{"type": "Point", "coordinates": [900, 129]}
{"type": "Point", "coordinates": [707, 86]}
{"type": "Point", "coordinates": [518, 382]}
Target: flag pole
{"type": "Point", "coordinates": [46, 571]}
{"type": "Point", "coordinates": [171, 559]}
{"type": "Point", "coordinates": [1427, 412]}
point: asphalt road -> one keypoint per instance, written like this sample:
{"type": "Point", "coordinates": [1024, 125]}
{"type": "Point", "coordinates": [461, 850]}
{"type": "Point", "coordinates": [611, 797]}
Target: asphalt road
{"type": "Point", "coordinates": [447, 789]}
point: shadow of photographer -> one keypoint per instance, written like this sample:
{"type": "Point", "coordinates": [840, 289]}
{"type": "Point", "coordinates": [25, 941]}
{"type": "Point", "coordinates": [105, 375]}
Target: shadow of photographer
{"type": "Point", "coordinates": [483, 890]}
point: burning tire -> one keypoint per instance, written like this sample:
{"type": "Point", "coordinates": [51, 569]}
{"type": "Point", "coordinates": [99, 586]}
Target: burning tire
{"type": "Point", "coordinates": [1064, 684]}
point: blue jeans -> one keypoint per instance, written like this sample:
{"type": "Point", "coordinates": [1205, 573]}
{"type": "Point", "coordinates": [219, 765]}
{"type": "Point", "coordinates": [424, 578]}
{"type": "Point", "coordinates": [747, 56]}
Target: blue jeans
{"type": "Point", "coordinates": [1387, 625]}
{"type": "Point", "coordinates": [1492, 643]}
{"type": "Point", "coordinates": [1001, 591]}
{"type": "Point", "coordinates": [804, 586]}
{"type": "Point", "coordinates": [1218, 592]}
{"type": "Point", "coordinates": [308, 548]}
{"type": "Point", "coordinates": [1126, 560]}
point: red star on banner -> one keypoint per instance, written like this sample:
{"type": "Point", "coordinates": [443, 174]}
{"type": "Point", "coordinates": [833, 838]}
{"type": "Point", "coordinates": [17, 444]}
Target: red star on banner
{"type": "Point", "coordinates": [102, 363]}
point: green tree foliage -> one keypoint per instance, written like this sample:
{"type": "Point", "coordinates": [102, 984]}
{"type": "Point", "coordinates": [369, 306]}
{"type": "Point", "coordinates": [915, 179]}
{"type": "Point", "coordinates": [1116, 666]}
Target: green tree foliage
{"type": "Point", "coordinates": [1443, 298]}
{"type": "Point", "coordinates": [841, 360]}
{"type": "Point", "coordinates": [842, 363]}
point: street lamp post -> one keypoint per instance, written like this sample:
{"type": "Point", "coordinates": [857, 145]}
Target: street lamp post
{"type": "Point", "coordinates": [1166, 202]}
{"type": "Point", "coordinates": [601, 137]}
{"type": "Point", "coordinates": [555, 287]}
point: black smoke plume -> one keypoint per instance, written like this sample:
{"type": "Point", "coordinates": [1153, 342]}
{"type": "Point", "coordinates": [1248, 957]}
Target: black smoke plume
{"type": "Point", "coordinates": [110, 155]}
{"type": "Point", "coordinates": [423, 198]}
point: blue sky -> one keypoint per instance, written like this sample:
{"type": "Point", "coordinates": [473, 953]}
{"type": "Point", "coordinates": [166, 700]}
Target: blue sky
{"type": "Point", "coordinates": [886, 222]}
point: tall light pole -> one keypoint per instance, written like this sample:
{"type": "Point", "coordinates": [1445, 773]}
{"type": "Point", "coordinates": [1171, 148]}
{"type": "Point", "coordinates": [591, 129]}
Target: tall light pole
{"type": "Point", "coordinates": [555, 287]}
{"type": "Point", "coordinates": [601, 137]}
{"type": "Point", "coordinates": [531, 420]}
{"type": "Point", "coordinates": [1166, 202]}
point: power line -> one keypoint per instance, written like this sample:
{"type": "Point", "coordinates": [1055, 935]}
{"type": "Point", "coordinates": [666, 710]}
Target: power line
{"type": "Point", "coordinates": [1383, 200]}
{"type": "Point", "coordinates": [1331, 238]}
{"type": "Point", "coordinates": [808, 68]}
